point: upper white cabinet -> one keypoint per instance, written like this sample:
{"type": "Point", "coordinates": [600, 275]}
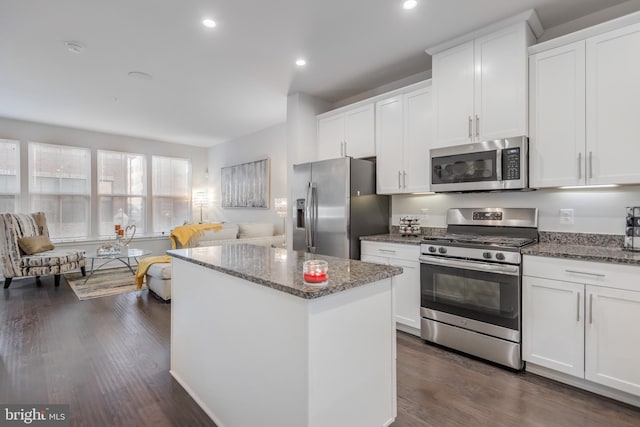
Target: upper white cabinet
{"type": "Point", "coordinates": [480, 88]}
{"type": "Point", "coordinates": [557, 117]}
{"type": "Point", "coordinates": [613, 106]}
{"type": "Point", "coordinates": [404, 134]}
{"type": "Point", "coordinates": [585, 100]}
{"type": "Point", "coordinates": [347, 132]}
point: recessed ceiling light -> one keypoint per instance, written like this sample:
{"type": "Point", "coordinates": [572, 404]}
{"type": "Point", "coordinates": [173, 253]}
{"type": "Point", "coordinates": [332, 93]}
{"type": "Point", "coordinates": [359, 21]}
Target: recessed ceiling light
{"type": "Point", "coordinates": [74, 47]}
{"type": "Point", "coordinates": [300, 62]}
{"type": "Point", "coordinates": [409, 4]}
{"type": "Point", "coordinates": [140, 75]}
{"type": "Point", "coordinates": [209, 23]}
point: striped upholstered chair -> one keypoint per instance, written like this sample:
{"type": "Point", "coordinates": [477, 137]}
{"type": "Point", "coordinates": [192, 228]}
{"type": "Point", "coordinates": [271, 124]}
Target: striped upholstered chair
{"type": "Point", "coordinates": [25, 249]}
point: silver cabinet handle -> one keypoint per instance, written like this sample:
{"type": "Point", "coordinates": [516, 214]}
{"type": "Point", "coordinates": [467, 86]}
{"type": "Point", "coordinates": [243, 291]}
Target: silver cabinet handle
{"type": "Point", "coordinates": [399, 178]}
{"type": "Point", "coordinates": [404, 179]}
{"type": "Point", "coordinates": [345, 149]}
{"type": "Point", "coordinates": [590, 164]}
{"type": "Point", "coordinates": [387, 251]}
{"type": "Point", "coordinates": [342, 148]}
{"type": "Point", "coordinates": [590, 309]}
{"type": "Point", "coordinates": [470, 121]}
{"type": "Point", "coordinates": [477, 126]}
{"type": "Point", "coordinates": [579, 165]}
{"type": "Point", "coordinates": [578, 309]}
{"type": "Point", "coordinates": [585, 273]}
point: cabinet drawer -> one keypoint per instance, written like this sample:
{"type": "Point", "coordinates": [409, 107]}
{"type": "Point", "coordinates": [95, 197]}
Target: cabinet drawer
{"type": "Point", "coordinates": [611, 275]}
{"type": "Point", "coordinates": [391, 250]}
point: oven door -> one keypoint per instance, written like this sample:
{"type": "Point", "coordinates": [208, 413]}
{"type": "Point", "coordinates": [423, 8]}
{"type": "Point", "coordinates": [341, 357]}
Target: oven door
{"type": "Point", "coordinates": [486, 294]}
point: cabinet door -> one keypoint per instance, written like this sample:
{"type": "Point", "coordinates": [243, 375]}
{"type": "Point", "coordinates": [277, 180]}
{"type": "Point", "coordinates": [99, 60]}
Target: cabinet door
{"type": "Point", "coordinates": [406, 293]}
{"type": "Point", "coordinates": [501, 84]}
{"type": "Point", "coordinates": [553, 324]}
{"type": "Point", "coordinates": [612, 345]}
{"type": "Point", "coordinates": [453, 80]}
{"type": "Point", "coordinates": [389, 136]}
{"type": "Point", "coordinates": [418, 139]}
{"type": "Point", "coordinates": [359, 131]}
{"type": "Point", "coordinates": [613, 107]}
{"type": "Point", "coordinates": [557, 116]}
{"type": "Point", "coordinates": [330, 137]}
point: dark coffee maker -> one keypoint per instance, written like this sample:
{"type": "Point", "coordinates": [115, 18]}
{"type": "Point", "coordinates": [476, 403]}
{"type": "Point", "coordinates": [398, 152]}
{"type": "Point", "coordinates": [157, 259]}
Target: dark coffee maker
{"type": "Point", "coordinates": [632, 234]}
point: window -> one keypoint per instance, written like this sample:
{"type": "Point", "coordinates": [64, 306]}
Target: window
{"type": "Point", "coordinates": [171, 192]}
{"type": "Point", "coordinates": [122, 191]}
{"type": "Point", "coordinates": [9, 175]}
{"type": "Point", "coordinates": [60, 186]}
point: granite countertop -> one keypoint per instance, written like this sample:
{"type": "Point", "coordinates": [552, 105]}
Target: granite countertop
{"type": "Point", "coordinates": [396, 237]}
{"type": "Point", "coordinates": [583, 253]}
{"type": "Point", "coordinates": [393, 238]}
{"type": "Point", "coordinates": [281, 269]}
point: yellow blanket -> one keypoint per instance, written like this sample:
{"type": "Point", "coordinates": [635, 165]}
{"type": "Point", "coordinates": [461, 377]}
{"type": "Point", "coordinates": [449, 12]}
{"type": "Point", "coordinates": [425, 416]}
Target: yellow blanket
{"type": "Point", "coordinates": [184, 233]}
{"type": "Point", "coordinates": [144, 265]}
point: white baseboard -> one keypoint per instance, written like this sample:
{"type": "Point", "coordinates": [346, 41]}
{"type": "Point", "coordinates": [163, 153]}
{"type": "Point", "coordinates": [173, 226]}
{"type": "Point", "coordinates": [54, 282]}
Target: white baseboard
{"type": "Point", "coordinates": [583, 384]}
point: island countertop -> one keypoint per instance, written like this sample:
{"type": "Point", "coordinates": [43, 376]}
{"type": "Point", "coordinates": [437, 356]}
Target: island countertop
{"type": "Point", "coordinates": [281, 269]}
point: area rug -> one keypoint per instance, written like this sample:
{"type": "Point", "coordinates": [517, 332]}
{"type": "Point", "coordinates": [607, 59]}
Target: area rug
{"type": "Point", "coordinates": [103, 283]}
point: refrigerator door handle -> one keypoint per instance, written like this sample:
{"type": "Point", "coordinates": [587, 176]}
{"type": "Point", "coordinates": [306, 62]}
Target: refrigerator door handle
{"type": "Point", "coordinates": [310, 217]}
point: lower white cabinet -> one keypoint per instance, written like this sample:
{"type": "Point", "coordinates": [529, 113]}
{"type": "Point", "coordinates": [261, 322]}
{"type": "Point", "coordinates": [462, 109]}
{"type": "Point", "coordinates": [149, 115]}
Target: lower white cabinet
{"type": "Point", "coordinates": [406, 287]}
{"type": "Point", "coordinates": [579, 318]}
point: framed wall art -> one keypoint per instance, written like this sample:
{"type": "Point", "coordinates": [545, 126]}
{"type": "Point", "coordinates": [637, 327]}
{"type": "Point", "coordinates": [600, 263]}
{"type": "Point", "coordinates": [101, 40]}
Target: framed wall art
{"type": "Point", "coordinates": [246, 185]}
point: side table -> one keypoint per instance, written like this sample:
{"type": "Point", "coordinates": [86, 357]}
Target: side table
{"type": "Point", "coordinates": [124, 257]}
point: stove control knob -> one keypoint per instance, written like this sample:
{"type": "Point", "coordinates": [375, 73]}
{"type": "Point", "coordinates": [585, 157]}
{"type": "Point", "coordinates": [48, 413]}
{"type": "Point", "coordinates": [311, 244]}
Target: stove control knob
{"type": "Point", "coordinates": [486, 255]}
{"type": "Point", "coordinates": [432, 249]}
{"type": "Point", "coordinates": [442, 250]}
{"type": "Point", "coordinates": [500, 256]}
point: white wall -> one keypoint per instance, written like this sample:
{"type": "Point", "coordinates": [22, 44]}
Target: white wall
{"type": "Point", "coordinates": [269, 143]}
{"type": "Point", "coordinates": [600, 211]}
{"type": "Point", "coordinates": [590, 20]}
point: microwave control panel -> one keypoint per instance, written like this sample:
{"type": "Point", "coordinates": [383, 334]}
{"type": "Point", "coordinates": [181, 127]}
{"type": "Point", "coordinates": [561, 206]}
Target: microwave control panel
{"type": "Point", "coordinates": [511, 163]}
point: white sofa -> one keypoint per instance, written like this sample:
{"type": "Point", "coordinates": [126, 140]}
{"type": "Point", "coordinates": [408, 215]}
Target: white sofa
{"type": "Point", "coordinates": [158, 277]}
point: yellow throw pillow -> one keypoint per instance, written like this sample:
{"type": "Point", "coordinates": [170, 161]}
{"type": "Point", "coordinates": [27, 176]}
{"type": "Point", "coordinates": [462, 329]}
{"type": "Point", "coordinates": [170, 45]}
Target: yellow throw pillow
{"type": "Point", "coordinates": [34, 244]}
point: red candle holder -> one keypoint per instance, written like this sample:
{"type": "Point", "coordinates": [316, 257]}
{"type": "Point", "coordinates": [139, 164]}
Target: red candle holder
{"type": "Point", "coordinates": [314, 272]}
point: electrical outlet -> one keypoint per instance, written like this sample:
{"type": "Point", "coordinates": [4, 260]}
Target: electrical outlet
{"type": "Point", "coordinates": [566, 216]}
{"type": "Point", "coordinates": [425, 214]}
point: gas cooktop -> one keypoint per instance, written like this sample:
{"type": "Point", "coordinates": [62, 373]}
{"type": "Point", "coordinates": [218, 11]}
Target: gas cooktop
{"type": "Point", "coordinates": [479, 239]}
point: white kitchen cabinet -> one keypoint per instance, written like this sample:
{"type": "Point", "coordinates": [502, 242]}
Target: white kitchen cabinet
{"type": "Point", "coordinates": [585, 99]}
{"type": "Point", "coordinates": [347, 132]}
{"type": "Point", "coordinates": [576, 320]}
{"type": "Point", "coordinates": [557, 116]}
{"type": "Point", "coordinates": [406, 287]}
{"type": "Point", "coordinates": [553, 324]}
{"type": "Point", "coordinates": [613, 106]}
{"type": "Point", "coordinates": [612, 351]}
{"type": "Point", "coordinates": [480, 88]}
{"type": "Point", "coordinates": [404, 129]}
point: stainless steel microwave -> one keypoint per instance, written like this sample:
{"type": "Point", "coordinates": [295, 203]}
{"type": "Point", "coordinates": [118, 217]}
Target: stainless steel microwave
{"type": "Point", "coordinates": [501, 164]}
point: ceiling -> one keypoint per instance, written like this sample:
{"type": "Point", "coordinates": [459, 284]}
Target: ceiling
{"type": "Point", "coordinates": [214, 85]}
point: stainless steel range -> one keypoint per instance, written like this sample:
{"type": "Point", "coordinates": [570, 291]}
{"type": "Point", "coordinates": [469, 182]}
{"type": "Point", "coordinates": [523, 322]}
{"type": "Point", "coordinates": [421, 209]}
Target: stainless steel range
{"type": "Point", "coordinates": [471, 282]}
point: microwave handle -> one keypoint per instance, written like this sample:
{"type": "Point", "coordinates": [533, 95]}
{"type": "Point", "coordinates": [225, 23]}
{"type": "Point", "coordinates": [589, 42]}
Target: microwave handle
{"type": "Point", "coordinates": [499, 165]}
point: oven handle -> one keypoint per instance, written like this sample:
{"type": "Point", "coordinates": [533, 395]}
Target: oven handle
{"type": "Point", "coordinates": [511, 270]}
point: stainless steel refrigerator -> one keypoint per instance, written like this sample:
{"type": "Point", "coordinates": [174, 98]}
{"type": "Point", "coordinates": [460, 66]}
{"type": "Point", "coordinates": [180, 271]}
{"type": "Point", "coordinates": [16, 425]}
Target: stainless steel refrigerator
{"type": "Point", "coordinates": [336, 203]}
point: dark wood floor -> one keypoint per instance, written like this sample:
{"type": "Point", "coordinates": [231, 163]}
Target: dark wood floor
{"type": "Point", "coordinates": [109, 359]}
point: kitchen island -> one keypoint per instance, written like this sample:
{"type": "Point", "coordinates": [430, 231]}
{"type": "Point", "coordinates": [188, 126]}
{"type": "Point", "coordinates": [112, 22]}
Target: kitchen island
{"type": "Point", "coordinates": [255, 346]}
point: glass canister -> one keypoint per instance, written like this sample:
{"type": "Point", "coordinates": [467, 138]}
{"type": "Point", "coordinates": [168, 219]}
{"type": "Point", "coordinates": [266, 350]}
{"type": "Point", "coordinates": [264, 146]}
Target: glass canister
{"type": "Point", "coordinates": [314, 272]}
